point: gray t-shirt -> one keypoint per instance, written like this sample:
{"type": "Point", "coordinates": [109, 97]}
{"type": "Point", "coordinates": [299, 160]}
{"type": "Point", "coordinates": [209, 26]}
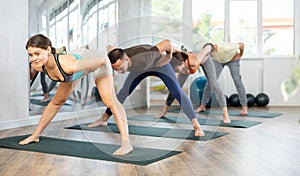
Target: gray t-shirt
{"type": "Point", "coordinates": [144, 57]}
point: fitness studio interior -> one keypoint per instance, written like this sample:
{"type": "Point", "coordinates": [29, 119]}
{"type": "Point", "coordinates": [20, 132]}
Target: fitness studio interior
{"type": "Point", "coordinates": [63, 129]}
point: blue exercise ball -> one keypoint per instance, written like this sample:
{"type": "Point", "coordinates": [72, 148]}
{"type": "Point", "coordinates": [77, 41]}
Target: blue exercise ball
{"type": "Point", "coordinates": [196, 90]}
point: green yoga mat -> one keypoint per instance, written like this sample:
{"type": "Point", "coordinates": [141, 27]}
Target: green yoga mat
{"type": "Point", "coordinates": [236, 113]}
{"type": "Point", "coordinates": [211, 122]}
{"type": "Point", "coordinates": [97, 151]}
{"type": "Point", "coordinates": [154, 131]}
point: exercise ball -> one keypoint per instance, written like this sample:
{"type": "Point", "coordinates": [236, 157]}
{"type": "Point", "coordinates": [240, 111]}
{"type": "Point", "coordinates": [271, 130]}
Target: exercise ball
{"type": "Point", "coordinates": [261, 99]}
{"type": "Point", "coordinates": [234, 100]}
{"type": "Point", "coordinates": [196, 90]}
{"type": "Point", "coordinates": [250, 99]}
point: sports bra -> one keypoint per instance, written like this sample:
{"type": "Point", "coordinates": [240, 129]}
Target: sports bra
{"type": "Point", "coordinates": [67, 77]}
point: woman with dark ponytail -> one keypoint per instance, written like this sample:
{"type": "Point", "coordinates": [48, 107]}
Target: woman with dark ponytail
{"type": "Point", "coordinates": [68, 69]}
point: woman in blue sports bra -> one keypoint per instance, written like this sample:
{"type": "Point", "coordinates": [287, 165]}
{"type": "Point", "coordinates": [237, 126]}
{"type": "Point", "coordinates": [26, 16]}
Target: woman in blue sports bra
{"type": "Point", "coordinates": [68, 70]}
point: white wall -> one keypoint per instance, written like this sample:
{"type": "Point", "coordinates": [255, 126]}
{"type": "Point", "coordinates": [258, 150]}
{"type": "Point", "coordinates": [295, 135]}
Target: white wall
{"type": "Point", "coordinates": [14, 64]}
{"type": "Point", "coordinates": [277, 70]}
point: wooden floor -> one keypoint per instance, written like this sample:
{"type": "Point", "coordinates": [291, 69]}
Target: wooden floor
{"type": "Point", "coordinates": [270, 148]}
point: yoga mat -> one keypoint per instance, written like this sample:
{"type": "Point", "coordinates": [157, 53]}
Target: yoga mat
{"type": "Point", "coordinates": [88, 102]}
{"type": "Point", "coordinates": [97, 151]}
{"type": "Point", "coordinates": [212, 122]}
{"type": "Point", "coordinates": [37, 102]}
{"type": "Point", "coordinates": [236, 113]}
{"type": "Point", "coordinates": [153, 131]}
{"type": "Point", "coordinates": [41, 95]}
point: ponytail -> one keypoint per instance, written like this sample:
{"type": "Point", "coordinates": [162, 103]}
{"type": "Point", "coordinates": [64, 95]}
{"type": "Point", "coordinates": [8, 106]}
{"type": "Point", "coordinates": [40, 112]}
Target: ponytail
{"type": "Point", "coordinates": [53, 50]}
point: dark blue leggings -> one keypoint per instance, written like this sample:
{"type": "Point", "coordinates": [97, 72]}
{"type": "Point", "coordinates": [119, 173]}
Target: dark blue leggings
{"type": "Point", "coordinates": [167, 75]}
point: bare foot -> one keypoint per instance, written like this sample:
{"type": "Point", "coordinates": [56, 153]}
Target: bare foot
{"type": "Point", "coordinates": [99, 122]}
{"type": "Point", "coordinates": [244, 111]}
{"type": "Point", "coordinates": [163, 112]}
{"type": "Point", "coordinates": [197, 128]}
{"type": "Point", "coordinates": [29, 139]}
{"type": "Point", "coordinates": [201, 108]}
{"type": "Point", "coordinates": [125, 149]}
{"type": "Point", "coordinates": [199, 131]}
{"type": "Point", "coordinates": [159, 116]}
{"type": "Point", "coordinates": [44, 100]}
{"type": "Point", "coordinates": [226, 118]}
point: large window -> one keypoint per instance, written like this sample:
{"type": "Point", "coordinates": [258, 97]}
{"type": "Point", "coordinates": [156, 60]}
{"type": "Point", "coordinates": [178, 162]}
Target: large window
{"type": "Point", "coordinates": [278, 27]}
{"type": "Point", "coordinates": [265, 26]}
{"type": "Point", "coordinates": [208, 22]}
{"type": "Point", "coordinates": [63, 24]}
{"type": "Point", "coordinates": [99, 23]}
{"type": "Point", "coordinates": [74, 30]}
{"type": "Point", "coordinates": [92, 23]}
{"type": "Point", "coordinates": [243, 24]}
{"type": "Point", "coordinates": [166, 20]}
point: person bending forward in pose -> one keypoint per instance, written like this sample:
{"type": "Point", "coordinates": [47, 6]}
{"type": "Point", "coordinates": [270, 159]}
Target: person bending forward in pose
{"type": "Point", "coordinates": [192, 61]}
{"type": "Point", "coordinates": [227, 54]}
{"type": "Point", "coordinates": [146, 60]}
{"type": "Point", "coordinates": [69, 69]}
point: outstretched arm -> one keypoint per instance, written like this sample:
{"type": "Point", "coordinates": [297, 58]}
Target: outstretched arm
{"type": "Point", "coordinates": [196, 59]}
{"type": "Point", "coordinates": [64, 90]}
{"type": "Point", "coordinates": [166, 46]}
{"type": "Point", "coordinates": [241, 47]}
{"type": "Point", "coordinates": [240, 54]}
{"type": "Point", "coordinates": [207, 49]}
